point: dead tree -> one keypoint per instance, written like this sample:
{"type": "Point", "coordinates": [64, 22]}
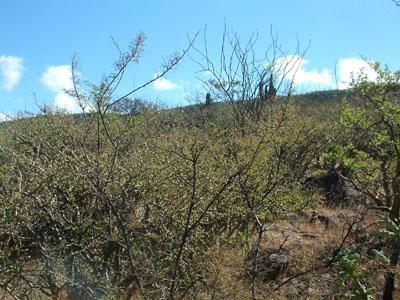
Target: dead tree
{"type": "Point", "coordinates": [238, 76]}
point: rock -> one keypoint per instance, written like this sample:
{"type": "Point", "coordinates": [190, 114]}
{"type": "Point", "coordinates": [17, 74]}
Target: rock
{"type": "Point", "coordinates": [279, 258]}
{"type": "Point", "coordinates": [269, 264]}
{"type": "Point", "coordinates": [276, 264]}
{"type": "Point", "coordinates": [328, 221]}
{"type": "Point", "coordinates": [310, 291]}
{"type": "Point", "coordinates": [323, 181]}
{"type": "Point", "coordinates": [294, 218]}
{"type": "Point", "coordinates": [333, 223]}
{"type": "Point", "coordinates": [337, 189]}
{"type": "Point", "coordinates": [287, 233]}
{"type": "Point", "coordinates": [292, 292]}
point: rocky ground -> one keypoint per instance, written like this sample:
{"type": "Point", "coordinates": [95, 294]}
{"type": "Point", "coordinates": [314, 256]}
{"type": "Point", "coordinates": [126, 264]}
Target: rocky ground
{"type": "Point", "coordinates": [295, 260]}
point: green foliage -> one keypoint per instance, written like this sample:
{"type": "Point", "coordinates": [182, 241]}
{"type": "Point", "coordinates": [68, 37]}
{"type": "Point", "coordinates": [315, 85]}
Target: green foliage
{"type": "Point", "coordinates": [391, 230]}
{"type": "Point", "coordinates": [96, 202]}
{"type": "Point", "coordinates": [369, 148]}
{"type": "Point", "coordinates": [131, 201]}
{"type": "Point", "coordinates": [381, 257]}
{"type": "Point", "coordinates": [351, 275]}
{"type": "Point", "coordinates": [369, 143]}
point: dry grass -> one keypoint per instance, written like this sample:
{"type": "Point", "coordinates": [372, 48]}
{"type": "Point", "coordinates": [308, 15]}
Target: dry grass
{"type": "Point", "coordinates": [310, 245]}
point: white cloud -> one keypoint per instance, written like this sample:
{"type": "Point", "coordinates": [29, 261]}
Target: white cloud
{"type": "Point", "coordinates": [11, 68]}
{"type": "Point", "coordinates": [66, 103]}
{"type": "Point", "coordinates": [293, 67]}
{"type": "Point", "coordinates": [163, 84]}
{"type": "Point", "coordinates": [4, 117]}
{"type": "Point", "coordinates": [352, 67]}
{"type": "Point", "coordinates": [58, 78]}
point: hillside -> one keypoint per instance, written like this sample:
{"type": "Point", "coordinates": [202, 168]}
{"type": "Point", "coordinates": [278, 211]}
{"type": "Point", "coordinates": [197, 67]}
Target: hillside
{"type": "Point", "coordinates": [196, 202]}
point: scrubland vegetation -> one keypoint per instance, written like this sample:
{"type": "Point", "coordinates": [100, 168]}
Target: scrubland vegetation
{"type": "Point", "coordinates": [257, 194]}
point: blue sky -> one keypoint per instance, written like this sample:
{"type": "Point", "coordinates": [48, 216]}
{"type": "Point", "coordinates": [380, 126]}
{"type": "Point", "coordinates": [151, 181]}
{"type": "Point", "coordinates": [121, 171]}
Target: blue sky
{"type": "Point", "coordinates": [38, 39]}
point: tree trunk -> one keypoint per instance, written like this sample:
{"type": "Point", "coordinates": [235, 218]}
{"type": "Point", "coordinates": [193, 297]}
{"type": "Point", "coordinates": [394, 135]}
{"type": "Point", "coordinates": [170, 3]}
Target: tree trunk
{"type": "Point", "coordinates": [394, 211]}
{"type": "Point", "coordinates": [395, 247]}
{"type": "Point", "coordinates": [390, 276]}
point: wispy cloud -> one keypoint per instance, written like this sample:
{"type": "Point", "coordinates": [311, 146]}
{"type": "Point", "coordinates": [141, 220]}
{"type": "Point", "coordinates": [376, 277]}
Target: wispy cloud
{"type": "Point", "coordinates": [352, 67]}
{"type": "Point", "coordinates": [59, 79]}
{"type": "Point", "coordinates": [163, 84]}
{"type": "Point", "coordinates": [11, 68]}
